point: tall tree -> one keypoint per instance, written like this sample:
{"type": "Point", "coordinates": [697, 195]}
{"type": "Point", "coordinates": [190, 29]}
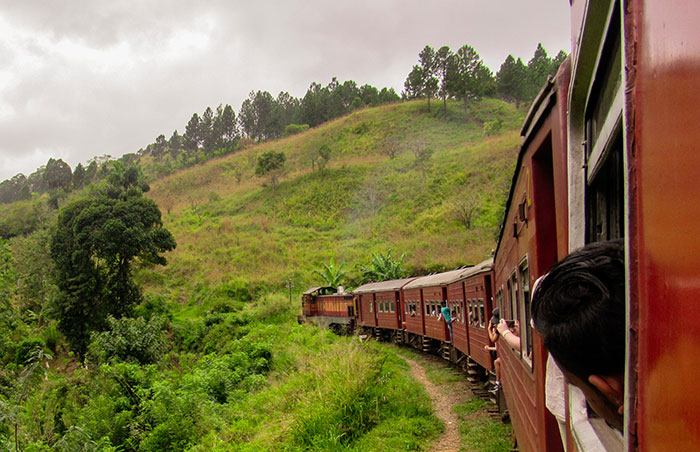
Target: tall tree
{"type": "Point", "coordinates": [469, 78]}
{"type": "Point", "coordinates": [428, 65]}
{"type": "Point", "coordinates": [444, 62]}
{"type": "Point", "coordinates": [538, 68]}
{"type": "Point", "coordinates": [79, 175]}
{"type": "Point", "coordinates": [193, 133]}
{"type": "Point", "coordinates": [206, 125]}
{"type": "Point", "coordinates": [511, 80]}
{"type": "Point", "coordinates": [57, 175]}
{"type": "Point", "coordinates": [93, 247]}
{"type": "Point", "coordinates": [413, 86]}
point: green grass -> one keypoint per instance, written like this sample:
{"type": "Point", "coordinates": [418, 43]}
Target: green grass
{"type": "Point", "coordinates": [479, 432]}
{"type": "Point", "coordinates": [364, 202]}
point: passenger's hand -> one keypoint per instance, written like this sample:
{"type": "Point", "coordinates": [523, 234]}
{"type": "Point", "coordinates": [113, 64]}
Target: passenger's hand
{"type": "Point", "coordinates": [502, 326]}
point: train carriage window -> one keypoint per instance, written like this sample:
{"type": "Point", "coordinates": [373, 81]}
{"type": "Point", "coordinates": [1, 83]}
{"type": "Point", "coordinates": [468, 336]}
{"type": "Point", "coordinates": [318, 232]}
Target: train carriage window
{"type": "Point", "coordinates": [525, 316]}
{"type": "Point", "coordinates": [482, 314]}
{"type": "Point", "coordinates": [513, 294]}
{"type": "Point", "coordinates": [392, 306]}
{"type": "Point", "coordinates": [371, 306]}
{"type": "Point", "coordinates": [604, 196]}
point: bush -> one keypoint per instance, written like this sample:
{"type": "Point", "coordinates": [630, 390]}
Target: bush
{"type": "Point", "coordinates": [493, 127]}
{"type": "Point", "coordinates": [26, 348]}
{"type": "Point", "coordinates": [130, 340]}
{"type": "Point", "coordinates": [153, 305]}
{"type": "Point", "coordinates": [51, 337]}
{"type": "Point", "coordinates": [293, 129]}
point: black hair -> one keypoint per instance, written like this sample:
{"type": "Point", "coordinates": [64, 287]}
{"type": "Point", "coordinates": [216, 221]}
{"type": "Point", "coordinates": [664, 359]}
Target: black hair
{"type": "Point", "coordinates": [579, 309]}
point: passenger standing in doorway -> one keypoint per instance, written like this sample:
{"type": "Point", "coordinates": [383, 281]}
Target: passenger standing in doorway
{"type": "Point", "coordinates": [445, 313]}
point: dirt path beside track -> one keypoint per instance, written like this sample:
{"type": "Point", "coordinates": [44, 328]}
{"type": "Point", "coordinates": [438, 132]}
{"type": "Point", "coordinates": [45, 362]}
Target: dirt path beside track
{"type": "Point", "coordinates": [444, 398]}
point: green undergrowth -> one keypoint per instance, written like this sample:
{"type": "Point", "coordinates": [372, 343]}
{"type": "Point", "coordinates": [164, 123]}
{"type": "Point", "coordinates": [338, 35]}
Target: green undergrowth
{"type": "Point", "coordinates": [236, 377]}
{"type": "Point", "coordinates": [479, 431]}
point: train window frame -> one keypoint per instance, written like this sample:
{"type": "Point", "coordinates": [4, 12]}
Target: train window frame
{"type": "Point", "coordinates": [392, 307]}
{"type": "Point", "coordinates": [525, 313]}
{"type": "Point", "coordinates": [482, 313]}
{"type": "Point", "coordinates": [513, 296]}
{"type": "Point", "coordinates": [371, 306]}
{"type": "Point", "coordinates": [589, 151]}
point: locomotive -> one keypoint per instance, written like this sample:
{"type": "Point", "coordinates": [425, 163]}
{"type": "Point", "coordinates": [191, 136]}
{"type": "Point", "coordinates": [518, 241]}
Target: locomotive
{"type": "Point", "coordinates": [608, 151]}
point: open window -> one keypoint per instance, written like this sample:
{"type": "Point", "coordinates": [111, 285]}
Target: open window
{"type": "Point", "coordinates": [525, 312]}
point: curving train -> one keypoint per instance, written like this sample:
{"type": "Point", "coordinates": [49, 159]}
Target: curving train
{"type": "Point", "coordinates": [609, 150]}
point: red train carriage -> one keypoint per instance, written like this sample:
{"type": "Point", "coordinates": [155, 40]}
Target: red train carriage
{"type": "Point", "coordinates": [324, 307]}
{"type": "Point", "coordinates": [431, 291]}
{"type": "Point", "coordinates": [533, 237]}
{"type": "Point", "coordinates": [379, 304]}
{"type": "Point", "coordinates": [477, 293]}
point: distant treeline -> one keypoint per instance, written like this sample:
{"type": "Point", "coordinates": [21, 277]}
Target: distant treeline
{"type": "Point", "coordinates": [439, 74]}
{"type": "Point", "coordinates": [463, 75]}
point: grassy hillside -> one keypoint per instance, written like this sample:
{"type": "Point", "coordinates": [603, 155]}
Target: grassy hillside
{"type": "Point", "coordinates": [232, 226]}
{"type": "Point", "coordinates": [214, 359]}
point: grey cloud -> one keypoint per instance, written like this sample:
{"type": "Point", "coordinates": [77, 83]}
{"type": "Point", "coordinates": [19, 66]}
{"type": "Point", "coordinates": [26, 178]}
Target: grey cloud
{"type": "Point", "coordinates": [84, 105]}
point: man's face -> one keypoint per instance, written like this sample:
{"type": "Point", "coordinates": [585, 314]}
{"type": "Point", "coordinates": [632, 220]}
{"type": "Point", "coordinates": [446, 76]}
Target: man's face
{"type": "Point", "coordinates": [601, 404]}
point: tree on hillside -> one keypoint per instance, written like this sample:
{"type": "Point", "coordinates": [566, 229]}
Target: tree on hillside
{"type": "Point", "coordinates": [429, 82]}
{"type": "Point", "coordinates": [444, 62]}
{"type": "Point", "coordinates": [79, 175]}
{"type": "Point", "coordinates": [271, 164]}
{"type": "Point", "coordinates": [175, 141]}
{"type": "Point", "coordinates": [538, 68]}
{"type": "Point", "coordinates": [413, 86]}
{"type": "Point", "coordinates": [324, 156]}
{"type": "Point", "coordinates": [93, 247]}
{"type": "Point", "coordinates": [15, 189]}
{"type": "Point", "coordinates": [206, 129]}
{"type": "Point", "coordinates": [57, 175]}
{"type": "Point", "coordinates": [193, 139]}
{"type": "Point", "coordinates": [469, 78]}
{"type": "Point", "coordinates": [511, 80]}
{"type": "Point", "coordinates": [557, 61]}
{"type": "Point", "coordinates": [331, 274]}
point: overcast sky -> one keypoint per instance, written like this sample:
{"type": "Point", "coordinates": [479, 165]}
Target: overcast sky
{"type": "Point", "coordinates": [80, 78]}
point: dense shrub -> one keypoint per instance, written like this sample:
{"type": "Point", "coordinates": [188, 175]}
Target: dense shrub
{"type": "Point", "coordinates": [26, 348]}
{"type": "Point", "coordinates": [131, 340]}
{"type": "Point", "coordinates": [293, 129]}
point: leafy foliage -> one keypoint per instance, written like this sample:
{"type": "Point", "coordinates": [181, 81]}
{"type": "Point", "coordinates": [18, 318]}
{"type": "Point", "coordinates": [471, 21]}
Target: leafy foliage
{"type": "Point", "coordinates": [384, 267]}
{"type": "Point", "coordinates": [131, 340]}
{"type": "Point", "coordinates": [331, 274]}
{"type": "Point", "coordinates": [270, 164]}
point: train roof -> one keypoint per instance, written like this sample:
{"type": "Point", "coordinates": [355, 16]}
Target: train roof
{"type": "Point", "coordinates": [452, 276]}
{"type": "Point", "coordinates": [383, 286]}
{"type": "Point", "coordinates": [438, 279]}
{"type": "Point", "coordinates": [481, 267]}
{"type": "Point", "coordinates": [316, 289]}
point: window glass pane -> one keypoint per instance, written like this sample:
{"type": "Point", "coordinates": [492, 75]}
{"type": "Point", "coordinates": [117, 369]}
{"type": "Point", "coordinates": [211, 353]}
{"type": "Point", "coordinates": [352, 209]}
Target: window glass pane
{"type": "Point", "coordinates": [608, 80]}
{"type": "Point", "coordinates": [482, 314]}
{"type": "Point", "coordinates": [525, 328]}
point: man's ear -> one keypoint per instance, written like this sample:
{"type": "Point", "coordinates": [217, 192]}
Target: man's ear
{"type": "Point", "coordinates": [610, 386]}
